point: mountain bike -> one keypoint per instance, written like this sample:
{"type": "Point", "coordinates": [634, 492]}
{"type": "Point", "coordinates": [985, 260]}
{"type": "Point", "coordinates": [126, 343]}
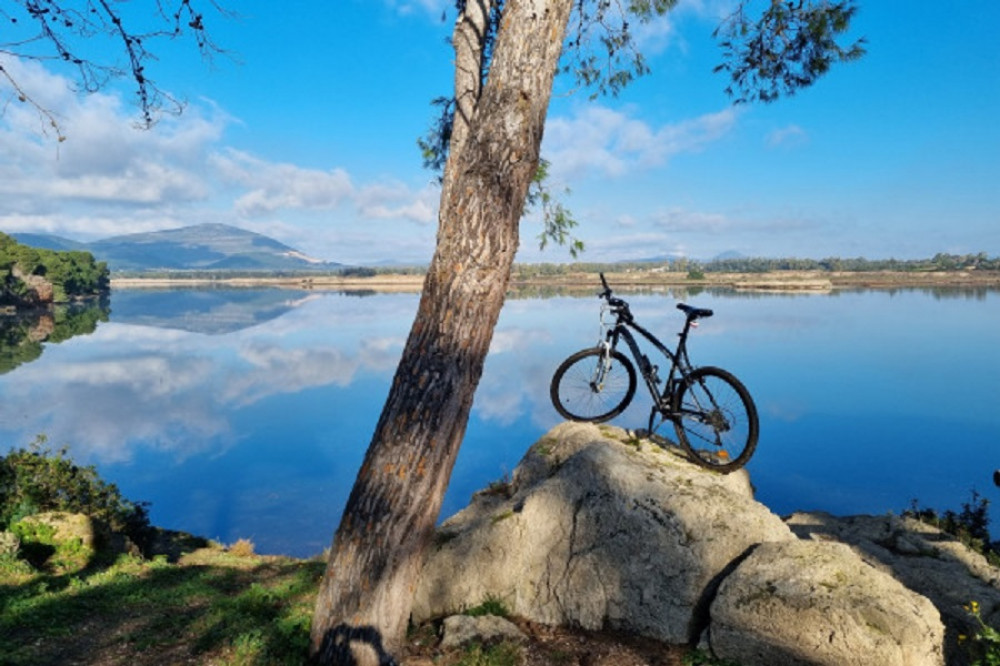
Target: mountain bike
{"type": "Point", "coordinates": [713, 415]}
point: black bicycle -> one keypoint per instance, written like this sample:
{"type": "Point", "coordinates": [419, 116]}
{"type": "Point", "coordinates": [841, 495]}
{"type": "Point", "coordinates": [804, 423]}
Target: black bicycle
{"type": "Point", "coordinates": [712, 412]}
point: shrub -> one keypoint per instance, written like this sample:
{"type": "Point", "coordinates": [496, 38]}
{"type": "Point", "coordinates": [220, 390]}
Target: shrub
{"type": "Point", "coordinates": [36, 479]}
{"type": "Point", "coordinates": [242, 548]}
{"type": "Point", "coordinates": [970, 525]}
{"type": "Point", "coordinates": [984, 646]}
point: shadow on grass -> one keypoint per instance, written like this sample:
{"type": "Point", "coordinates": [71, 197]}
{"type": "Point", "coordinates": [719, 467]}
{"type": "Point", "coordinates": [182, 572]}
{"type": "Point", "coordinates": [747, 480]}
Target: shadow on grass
{"type": "Point", "coordinates": [221, 609]}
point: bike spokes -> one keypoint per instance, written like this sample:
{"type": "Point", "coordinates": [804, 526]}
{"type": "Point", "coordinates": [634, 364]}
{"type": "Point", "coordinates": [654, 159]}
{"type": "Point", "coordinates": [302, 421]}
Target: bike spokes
{"type": "Point", "coordinates": [716, 420]}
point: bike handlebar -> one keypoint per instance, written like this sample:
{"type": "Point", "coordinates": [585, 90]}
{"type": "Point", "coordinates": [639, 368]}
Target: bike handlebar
{"type": "Point", "coordinates": [691, 311]}
{"type": "Point", "coordinates": [607, 290]}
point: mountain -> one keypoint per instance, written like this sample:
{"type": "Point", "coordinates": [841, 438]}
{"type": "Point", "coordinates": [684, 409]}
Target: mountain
{"type": "Point", "coordinates": [49, 242]}
{"type": "Point", "coordinates": [729, 254]}
{"type": "Point", "coordinates": [198, 247]}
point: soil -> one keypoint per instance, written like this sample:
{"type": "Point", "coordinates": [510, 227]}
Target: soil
{"type": "Point", "coordinates": [548, 646]}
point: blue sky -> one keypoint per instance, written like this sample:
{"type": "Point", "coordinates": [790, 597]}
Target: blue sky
{"type": "Point", "coordinates": [309, 135]}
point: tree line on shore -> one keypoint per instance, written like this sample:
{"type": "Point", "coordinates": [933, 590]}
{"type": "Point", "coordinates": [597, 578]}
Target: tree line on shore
{"type": "Point", "coordinates": [941, 262]}
{"type": "Point", "coordinates": [72, 273]}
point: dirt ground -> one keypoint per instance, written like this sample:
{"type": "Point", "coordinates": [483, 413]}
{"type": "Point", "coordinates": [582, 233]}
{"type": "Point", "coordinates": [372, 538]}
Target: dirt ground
{"type": "Point", "coordinates": [556, 646]}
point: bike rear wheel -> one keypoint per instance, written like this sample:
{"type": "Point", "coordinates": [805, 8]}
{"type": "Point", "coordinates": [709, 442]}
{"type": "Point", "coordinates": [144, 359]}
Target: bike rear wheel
{"type": "Point", "coordinates": [715, 419]}
{"type": "Point", "coordinates": [589, 386]}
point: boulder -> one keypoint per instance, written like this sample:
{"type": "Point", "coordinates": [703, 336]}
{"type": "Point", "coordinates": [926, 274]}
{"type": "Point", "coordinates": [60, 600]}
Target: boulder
{"type": "Point", "coordinates": [462, 629]}
{"type": "Point", "coordinates": [39, 291]}
{"type": "Point", "coordinates": [816, 603]}
{"type": "Point", "coordinates": [921, 557]}
{"type": "Point", "coordinates": [598, 530]}
{"type": "Point", "coordinates": [65, 528]}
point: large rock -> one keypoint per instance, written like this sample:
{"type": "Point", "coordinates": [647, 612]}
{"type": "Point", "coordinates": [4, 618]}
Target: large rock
{"type": "Point", "coordinates": [39, 291]}
{"type": "Point", "coordinates": [922, 558]}
{"type": "Point", "coordinates": [599, 530]}
{"type": "Point", "coordinates": [816, 603]}
{"type": "Point", "coordinates": [65, 527]}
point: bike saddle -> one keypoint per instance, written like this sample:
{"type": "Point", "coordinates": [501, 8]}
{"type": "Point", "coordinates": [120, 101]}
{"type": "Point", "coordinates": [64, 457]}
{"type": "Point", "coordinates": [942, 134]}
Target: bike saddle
{"type": "Point", "coordinates": [693, 312]}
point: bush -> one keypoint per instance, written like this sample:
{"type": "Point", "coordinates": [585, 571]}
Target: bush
{"type": "Point", "coordinates": [36, 479]}
{"type": "Point", "coordinates": [970, 525]}
{"type": "Point", "coordinates": [984, 646]}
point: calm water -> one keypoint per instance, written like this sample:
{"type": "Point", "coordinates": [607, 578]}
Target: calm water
{"type": "Point", "coordinates": [245, 413]}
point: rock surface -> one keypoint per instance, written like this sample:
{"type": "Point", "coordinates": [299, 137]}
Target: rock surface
{"type": "Point", "coordinates": [598, 529]}
{"type": "Point", "coordinates": [922, 558]}
{"type": "Point", "coordinates": [816, 602]}
{"type": "Point", "coordinates": [462, 629]}
{"type": "Point", "coordinates": [67, 527]}
{"type": "Point", "coordinates": [594, 533]}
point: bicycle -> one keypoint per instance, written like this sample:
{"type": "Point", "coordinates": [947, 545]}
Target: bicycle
{"type": "Point", "coordinates": [714, 417]}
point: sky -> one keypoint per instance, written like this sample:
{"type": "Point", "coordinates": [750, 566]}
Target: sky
{"type": "Point", "coordinates": [306, 131]}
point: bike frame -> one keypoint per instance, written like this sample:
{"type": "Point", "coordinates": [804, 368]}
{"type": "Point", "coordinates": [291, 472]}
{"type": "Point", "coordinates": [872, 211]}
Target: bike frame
{"type": "Point", "coordinates": [680, 364]}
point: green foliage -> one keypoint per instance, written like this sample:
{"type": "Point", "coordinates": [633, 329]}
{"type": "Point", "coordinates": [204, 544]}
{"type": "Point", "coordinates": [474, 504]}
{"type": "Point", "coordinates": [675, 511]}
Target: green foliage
{"type": "Point", "coordinates": [21, 336]}
{"type": "Point", "coordinates": [557, 220]}
{"type": "Point", "coordinates": [491, 605]}
{"type": "Point", "coordinates": [35, 480]}
{"type": "Point", "coordinates": [220, 610]}
{"type": "Point", "coordinates": [72, 273]}
{"type": "Point", "coordinates": [601, 53]}
{"type": "Point", "coordinates": [791, 45]}
{"type": "Point", "coordinates": [970, 525]}
{"type": "Point", "coordinates": [40, 548]}
{"type": "Point", "coordinates": [984, 645]}
{"type": "Point", "coordinates": [696, 274]}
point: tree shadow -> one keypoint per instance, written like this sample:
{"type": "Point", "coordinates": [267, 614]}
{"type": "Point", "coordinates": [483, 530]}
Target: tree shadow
{"type": "Point", "coordinates": [926, 560]}
{"type": "Point", "coordinates": [258, 611]}
{"type": "Point", "coordinates": [345, 645]}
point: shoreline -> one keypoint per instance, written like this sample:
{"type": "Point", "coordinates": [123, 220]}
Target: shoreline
{"type": "Point", "coordinates": [775, 281]}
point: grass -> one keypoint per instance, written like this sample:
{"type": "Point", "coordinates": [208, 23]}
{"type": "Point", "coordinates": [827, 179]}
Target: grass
{"type": "Point", "coordinates": [505, 653]}
{"type": "Point", "coordinates": [491, 605]}
{"type": "Point", "coordinates": [211, 607]}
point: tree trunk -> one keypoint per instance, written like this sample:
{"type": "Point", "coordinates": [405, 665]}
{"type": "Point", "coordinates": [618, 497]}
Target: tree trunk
{"type": "Point", "coordinates": [367, 592]}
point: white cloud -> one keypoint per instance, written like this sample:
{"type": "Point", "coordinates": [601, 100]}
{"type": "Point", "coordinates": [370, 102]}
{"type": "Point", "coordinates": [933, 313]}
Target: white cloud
{"type": "Point", "coordinates": [789, 137]}
{"type": "Point", "coordinates": [397, 201]}
{"type": "Point", "coordinates": [681, 220]}
{"type": "Point", "coordinates": [273, 186]}
{"type": "Point", "coordinates": [111, 178]}
{"type": "Point", "coordinates": [611, 143]}
{"type": "Point", "coordinates": [434, 8]}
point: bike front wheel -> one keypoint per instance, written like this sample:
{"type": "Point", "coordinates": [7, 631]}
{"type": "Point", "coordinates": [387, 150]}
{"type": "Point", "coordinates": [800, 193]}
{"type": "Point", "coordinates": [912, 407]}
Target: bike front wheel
{"type": "Point", "coordinates": [593, 386]}
{"type": "Point", "coordinates": [715, 419]}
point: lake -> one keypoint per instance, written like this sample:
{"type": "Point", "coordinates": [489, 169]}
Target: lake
{"type": "Point", "coordinates": [245, 413]}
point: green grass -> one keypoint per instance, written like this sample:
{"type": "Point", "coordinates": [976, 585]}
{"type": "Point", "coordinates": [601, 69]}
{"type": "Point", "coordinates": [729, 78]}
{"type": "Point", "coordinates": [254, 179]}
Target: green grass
{"type": "Point", "coordinates": [505, 653]}
{"type": "Point", "coordinates": [491, 605]}
{"type": "Point", "coordinates": [211, 607]}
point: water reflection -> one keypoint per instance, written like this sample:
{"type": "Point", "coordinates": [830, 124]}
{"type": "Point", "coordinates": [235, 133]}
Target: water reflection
{"type": "Point", "coordinates": [245, 413]}
{"type": "Point", "coordinates": [22, 334]}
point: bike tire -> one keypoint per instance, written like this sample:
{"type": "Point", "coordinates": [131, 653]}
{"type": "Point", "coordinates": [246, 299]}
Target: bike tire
{"type": "Point", "coordinates": [576, 398]}
{"type": "Point", "coordinates": [715, 419]}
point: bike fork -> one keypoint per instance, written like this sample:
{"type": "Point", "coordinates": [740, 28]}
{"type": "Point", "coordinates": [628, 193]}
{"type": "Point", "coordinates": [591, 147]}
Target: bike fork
{"type": "Point", "coordinates": [602, 369]}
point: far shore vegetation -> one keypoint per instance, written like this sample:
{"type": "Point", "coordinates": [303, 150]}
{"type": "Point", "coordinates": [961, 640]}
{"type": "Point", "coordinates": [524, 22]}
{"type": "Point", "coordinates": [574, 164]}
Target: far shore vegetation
{"type": "Point", "coordinates": [941, 269]}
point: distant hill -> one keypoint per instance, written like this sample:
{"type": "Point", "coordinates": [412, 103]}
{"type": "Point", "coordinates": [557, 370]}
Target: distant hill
{"type": "Point", "coordinates": [49, 242]}
{"type": "Point", "coordinates": [198, 247]}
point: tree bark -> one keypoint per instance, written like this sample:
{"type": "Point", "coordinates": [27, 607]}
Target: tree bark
{"type": "Point", "coordinates": [365, 598]}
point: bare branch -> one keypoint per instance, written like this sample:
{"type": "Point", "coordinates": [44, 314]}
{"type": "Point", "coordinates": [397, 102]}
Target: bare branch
{"type": "Point", "coordinates": [65, 31]}
{"type": "Point", "coordinates": [21, 96]}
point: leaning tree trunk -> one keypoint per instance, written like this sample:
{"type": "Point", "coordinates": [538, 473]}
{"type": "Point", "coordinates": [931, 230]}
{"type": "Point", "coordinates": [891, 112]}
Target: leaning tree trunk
{"type": "Point", "coordinates": [367, 592]}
